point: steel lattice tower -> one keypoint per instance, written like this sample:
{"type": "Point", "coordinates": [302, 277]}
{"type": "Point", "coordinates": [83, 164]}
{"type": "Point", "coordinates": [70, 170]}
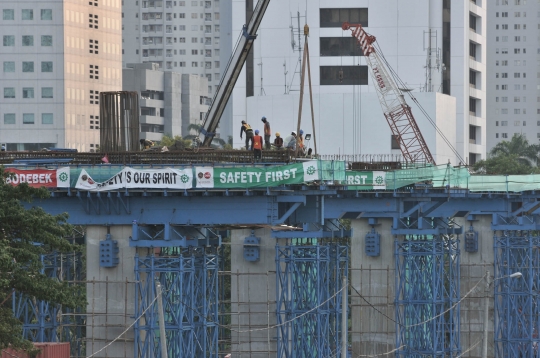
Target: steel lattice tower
{"type": "Point", "coordinates": [427, 295]}
{"type": "Point", "coordinates": [189, 279]}
{"type": "Point", "coordinates": [517, 300]}
{"type": "Point", "coordinates": [308, 303]}
{"type": "Point", "coordinates": [46, 322]}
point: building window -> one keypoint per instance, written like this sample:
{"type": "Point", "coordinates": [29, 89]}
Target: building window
{"type": "Point", "coordinates": [46, 118]}
{"type": "Point", "coordinates": [194, 64]}
{"type": "Point", "coordinates": [8, 14]}
{"type": "Point", "coordinates": [504, 135]}
{"type": "Point", "coordinates": [472, 50]}
{"type": "Point", "coordinates": [9, 118]}
{"type": "Point", "coordinates": [28, 66]}
{"type": "Point", "coordinates": [28, 92]}
{"type": "Point", "coordinates": [336, 17]}
{"type": "Point", "coordinates": [46, 14]}
{"type": "Point", "coordinates": [343, 75]}
{"type": "Point", "coordinates": [9, 92]}
{"type": "Point", "coordinates": [46, 40]}
{"type": "Point", "coordinates": [339, 46]}
{"type": "Point", "coordinates": [28, 40]}
{"type": "Point", "coordinates": [9, 66]}
{"type": "Point", "coordinates": [394, 142]}
{"type": "Point", "coordinates": [9, 40]}
{"type": "Point", "coordinates": [28, 118]}
{"type": "Point", "coordinates": [46, 66]}
{"type": "Point", "coordinates": [28, 14]}
{"type": "Point", "coordinates": [472, 78]}
{"type": "Point", "coordinates": [472, 22]}
{"type": "Point", "coordinates": [472, 106]}
{"type": "Point", "coordinates": [46, 92]}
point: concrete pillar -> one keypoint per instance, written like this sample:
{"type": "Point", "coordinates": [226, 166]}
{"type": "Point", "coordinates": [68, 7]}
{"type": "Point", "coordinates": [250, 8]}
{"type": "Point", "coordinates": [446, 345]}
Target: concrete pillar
{"type": "Point", "coordinates": [473, 269]}
{"type": "Point", "coordinates": [253, 297]}
{"type": "Point", "coordinates": [374, 279]}
{"type": "Point", "coordinates": [110, 295]}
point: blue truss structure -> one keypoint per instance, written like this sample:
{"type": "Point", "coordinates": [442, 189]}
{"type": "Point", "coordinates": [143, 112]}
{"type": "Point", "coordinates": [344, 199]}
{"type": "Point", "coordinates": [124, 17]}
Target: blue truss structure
{"type": "Point", "coordinates": [517, 300]}
{"type": "Point", "coordinates": [308, 303]}
{"type": "Point", "coordinates": [189, 281]}
{"type": "Point", "coordinates": [427, 296]}
{"type": "Point", "coordinates": [46, 322]}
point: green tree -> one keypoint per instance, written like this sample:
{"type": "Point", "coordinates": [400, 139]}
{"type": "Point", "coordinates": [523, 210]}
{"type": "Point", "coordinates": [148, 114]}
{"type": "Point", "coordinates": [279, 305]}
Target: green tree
{"type": "Point", "coordinates": [169, 141]}
{"type": "Point", "coordinates": [512, 157]}
{"type": "Point", "coordinates": [25, 234]}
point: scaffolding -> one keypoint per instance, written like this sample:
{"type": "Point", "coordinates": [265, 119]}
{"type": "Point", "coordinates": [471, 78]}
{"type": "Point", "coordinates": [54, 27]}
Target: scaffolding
{"type": "Point", "coordinates": [309, 296]}
{"type": "Point", "coordinates": [517, 301]}
{"type": "Point", "coordinates": [46, 322]}
{"type": "Point", "coordinates": [188, 277]}
{"type": "Point", "coordinates": [427, 296]}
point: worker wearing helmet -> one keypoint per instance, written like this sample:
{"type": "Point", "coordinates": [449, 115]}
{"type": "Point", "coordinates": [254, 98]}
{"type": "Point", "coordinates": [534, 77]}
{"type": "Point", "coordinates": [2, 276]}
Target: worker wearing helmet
{"type": "Point", "coordinates": [257, 146]}
{"type": "Point", "coordinates": [290, 141]}
{"type": "Point", "coordinates": [267, 133]}
{"type": "Point", "coordinates": [301, 141]}
{"type": "Point", "coordinates": [278, 142]}
{"type": "Point", "coordinates": [249, 134]}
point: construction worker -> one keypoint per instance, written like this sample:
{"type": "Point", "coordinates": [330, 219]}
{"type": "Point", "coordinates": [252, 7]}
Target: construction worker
{"type": "Point", "coordinates": [290, 141]}
{"type": "Point", "coordinates": [301, 142]}
{"type": "Point", "coordinates": [146, 143]}
{"type": "Point", "coordinates": [257, 146]}
{"type": "Point", "coordinates": [249, 134]}
{"type": "Point", "coordinates": [278, 142]}
{"type": "Point", "coordinates": [267, 133]}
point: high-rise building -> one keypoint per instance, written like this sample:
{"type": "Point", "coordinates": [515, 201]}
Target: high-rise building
{"type": "Point", "coordinates": [57, 56]}
{"type": "Point", "coordinates": [436, 47]}
{"type": "Point", "coordinates": [180, 36]}
{"type": "Point", "coordinates": [171, 103]}
{"type": "Point", "coordinates": [513, 77]}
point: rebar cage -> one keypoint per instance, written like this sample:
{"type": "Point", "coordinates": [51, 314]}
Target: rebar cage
{"type": "Point", "coordinates": [309, 296]}
{"type": "Point", "coordinates": [427, 296]}
{"type": "Point", "coordinates": [517, 300]}
{"type": "Point", "coordinates": [46, 322]}
{"type": "Point", "coordinates": [189, 281]}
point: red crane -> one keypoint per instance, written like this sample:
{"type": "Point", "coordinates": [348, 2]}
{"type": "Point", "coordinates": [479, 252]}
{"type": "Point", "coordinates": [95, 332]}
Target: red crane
{"type": "Point", "coordinates": [396, 111]}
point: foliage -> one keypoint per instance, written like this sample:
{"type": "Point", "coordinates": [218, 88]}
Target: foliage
{"type": "Point", "coordinates": [25, 234]}
{"type": "Point", "coordinates": [512, 157]}
{"type": "Point", "coordinates": [169, 141]}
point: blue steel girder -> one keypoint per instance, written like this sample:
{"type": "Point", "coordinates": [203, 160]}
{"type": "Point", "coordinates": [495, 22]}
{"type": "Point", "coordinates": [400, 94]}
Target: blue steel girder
{"type": "Point", "coordinates": [425, 226]}
{"type": "Point", "coordinates": [276, 206]}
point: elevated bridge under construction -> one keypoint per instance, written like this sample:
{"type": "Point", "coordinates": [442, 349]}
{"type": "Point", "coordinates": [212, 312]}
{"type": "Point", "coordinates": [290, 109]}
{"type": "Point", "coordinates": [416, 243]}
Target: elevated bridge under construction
{"type": "Point", "coordinates": [415, 246]}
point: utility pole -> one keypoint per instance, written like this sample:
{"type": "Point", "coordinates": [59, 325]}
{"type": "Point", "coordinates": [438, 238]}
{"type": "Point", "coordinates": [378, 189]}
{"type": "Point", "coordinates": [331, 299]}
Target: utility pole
{"type": "Point", "coordinates": [344, 318]}
{"type": "Point", "coordinates": [161, 319]}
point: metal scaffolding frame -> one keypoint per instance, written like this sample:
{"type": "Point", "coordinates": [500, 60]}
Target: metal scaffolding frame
{"type": "Point", "coordinates": [46, 322]}
{"type": "Point", "coordinates": [427, 296]}
{"type": "Point", "coordinates": [517, 301]}
{"type": "Point", "coordinates": [189, 280]}
{"type": "Point", "coordinates": [308, 299]}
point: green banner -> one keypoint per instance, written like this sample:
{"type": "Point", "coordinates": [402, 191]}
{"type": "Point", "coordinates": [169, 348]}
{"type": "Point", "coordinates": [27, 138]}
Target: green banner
{"type": "Point", "coordinates": [365, 180]}
{"type": "Point", "coordinates": [260, 177]}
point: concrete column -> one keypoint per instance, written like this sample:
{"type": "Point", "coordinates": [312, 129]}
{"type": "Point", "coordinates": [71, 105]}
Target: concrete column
{"type": "Point", "coordinates": [253, 297]}
{"type": "Point", "coordinates": [110, 295]}
{"type": "Point", "coordinates": [374, 279]}
{"type": "Point", "coordinates": [473, 269]}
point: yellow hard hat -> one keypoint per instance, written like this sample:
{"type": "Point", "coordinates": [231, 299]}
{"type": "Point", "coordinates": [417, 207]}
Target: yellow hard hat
{"type": "Point", "coordinates": [277, 134]}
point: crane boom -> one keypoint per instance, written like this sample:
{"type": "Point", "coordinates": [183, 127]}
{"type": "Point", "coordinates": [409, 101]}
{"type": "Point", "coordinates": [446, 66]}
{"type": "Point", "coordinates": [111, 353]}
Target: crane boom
{"type": "Point", "coordinates": [396, 111]}
{"type": "Point", "coordinates": [234, 67]}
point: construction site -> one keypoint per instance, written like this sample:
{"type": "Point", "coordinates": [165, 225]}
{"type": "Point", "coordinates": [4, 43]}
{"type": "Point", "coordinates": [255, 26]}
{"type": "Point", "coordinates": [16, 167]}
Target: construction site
{"type": "Point", "coordinates": [207, 253]}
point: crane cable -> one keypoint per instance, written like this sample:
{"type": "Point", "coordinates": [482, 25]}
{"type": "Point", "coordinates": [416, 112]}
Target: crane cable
{"type": "Point", "coordinates": [403, 85]}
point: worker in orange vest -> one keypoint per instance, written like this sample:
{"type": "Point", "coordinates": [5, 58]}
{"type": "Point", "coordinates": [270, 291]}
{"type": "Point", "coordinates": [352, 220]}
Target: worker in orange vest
{"type": "Point", "coordinates": [257, 146]}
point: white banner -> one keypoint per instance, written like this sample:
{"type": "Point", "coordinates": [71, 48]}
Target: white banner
{"type": "Point", "coordinates": [204, 177]}
{"type": "Point", "coordinates": [167, 178]}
